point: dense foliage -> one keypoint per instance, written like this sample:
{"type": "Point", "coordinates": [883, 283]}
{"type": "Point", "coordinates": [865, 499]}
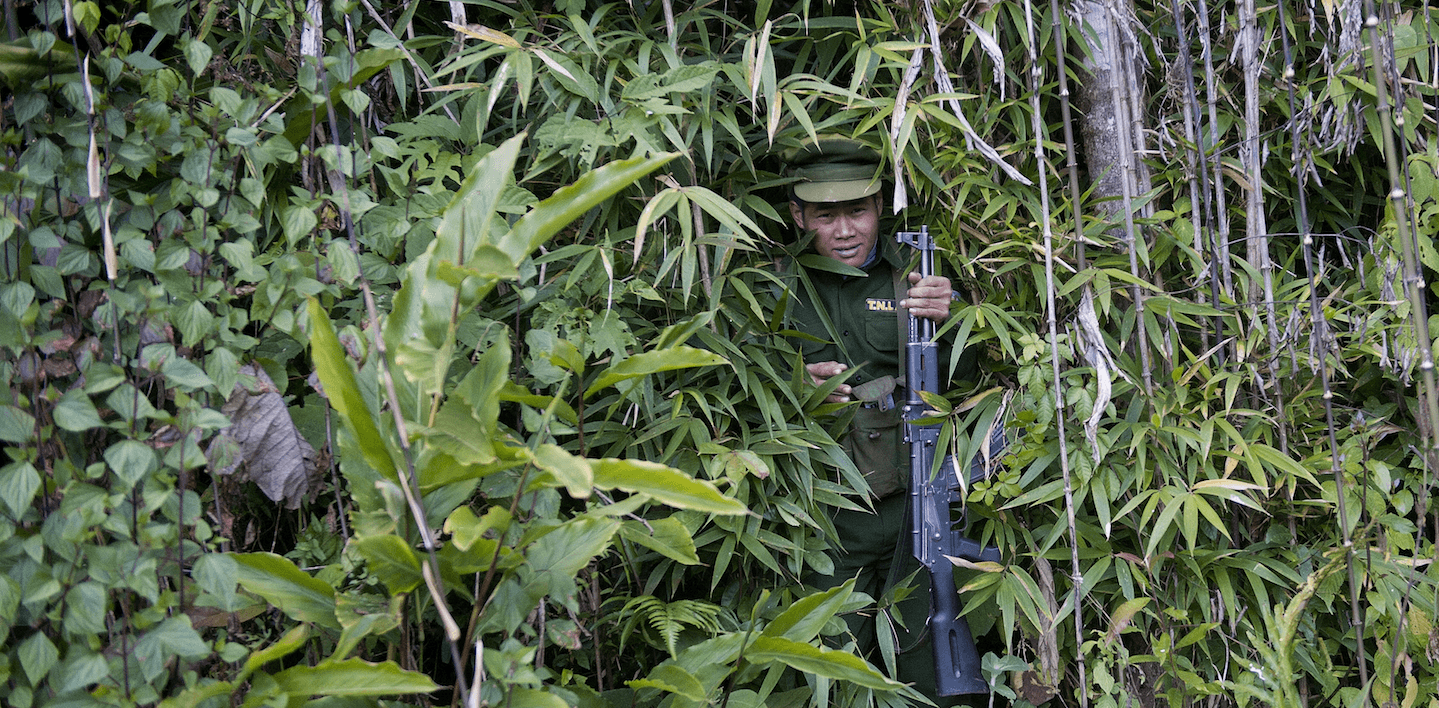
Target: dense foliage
{"type": "Point", "coordinates": [450, 365]}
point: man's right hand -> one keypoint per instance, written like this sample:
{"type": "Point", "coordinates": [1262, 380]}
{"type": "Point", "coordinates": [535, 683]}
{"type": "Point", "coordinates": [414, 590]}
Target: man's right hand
{"type": "Point", "coordinates": [819, 373]}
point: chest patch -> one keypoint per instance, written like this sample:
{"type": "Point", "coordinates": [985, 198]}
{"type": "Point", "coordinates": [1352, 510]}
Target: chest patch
{"type": "Point", "coordinates": [879, 304]}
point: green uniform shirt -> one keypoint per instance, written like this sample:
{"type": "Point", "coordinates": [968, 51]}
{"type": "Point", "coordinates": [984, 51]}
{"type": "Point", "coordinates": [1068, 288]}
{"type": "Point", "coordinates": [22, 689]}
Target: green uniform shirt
{"type": "Point", "coordinates": [863, 313]}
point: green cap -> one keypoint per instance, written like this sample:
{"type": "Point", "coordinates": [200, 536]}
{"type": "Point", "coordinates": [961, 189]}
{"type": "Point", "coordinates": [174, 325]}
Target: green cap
{"type": "Point", "coordinates": [835, 169]}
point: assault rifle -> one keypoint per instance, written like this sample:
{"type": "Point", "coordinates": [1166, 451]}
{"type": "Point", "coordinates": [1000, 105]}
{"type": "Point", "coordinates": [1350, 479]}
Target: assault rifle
{"type": "Point", "coordinates": [931, 497]}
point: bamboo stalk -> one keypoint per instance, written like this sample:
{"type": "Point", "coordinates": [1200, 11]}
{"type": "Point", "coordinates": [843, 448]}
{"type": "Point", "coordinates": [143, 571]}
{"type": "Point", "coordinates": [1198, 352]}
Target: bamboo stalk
{"type": "Point", "coordinates": [1426, 428]}
{"type": "Point", "coordinates": [1040, 136]}
{"type": "Point", "coordinates": [1126, 160]}
{"type": "Point", "coordinates": [1256, 231]}
{"type": "Point", "coordinates": [1070, 150]}
{"type": "Point", "coordinates": [1198, 178]}
{"type": "Point", "coordinates": [1211, 149]}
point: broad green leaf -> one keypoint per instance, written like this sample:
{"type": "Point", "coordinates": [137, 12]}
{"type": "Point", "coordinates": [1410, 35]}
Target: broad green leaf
{"type": "Point", "coordinates": [571, 471]}
{"type": "Point", "coordinates": [352, 677]}
{"type": "Point", "coordinates": [681, 357]}
{"type": "Point", "coordinates": [362, 615]}
{"type": "Point", "coordinates": [194, 697]}
{"type": "Point", "coordinates": [803, 620]}
{"type": "Point", "coordinates": [668, 537]}
{"type": "Point", "coordinates": [568, 203]}
{"type": "Point", "coordinates": [82, 668]}
{"type": "Point", "coordinates": [37, 656]}
{"type": "Point", "coordinates": [465, 528]}
{"type": "Point", "coordinates": [217, 574]}
{"type": "Point", "coordinates": [392, 561]}
{"type": "Point", "coordinates": [339, 381]}
{"type": "Point", "coordinates": [569, 547]}
{"type": "Point", "coordinates": [520, 697]}
{"type": "Point", "coordinates": [85, 609]}
{"type": "Point", "coordinates": [826, 663]}
{"type": "Point", "coordinates": [293, 591]}
{"type": "Point", "coordinates": [130, 460]}
{"type": "Point", "coordinates": [19, 482]}
{"type": "Point", "coordinates": [664, 484]}
{"type": "Point", "coordinates": [75, 412]}
{"type": "Point", "coordinates": [16, 426]}
{"type": "Point", "coordinates": [674, 679]}
{"type": "Point", "coordinates": [287, 644]}
{"type": "Point", "coordinates": [172, 637]}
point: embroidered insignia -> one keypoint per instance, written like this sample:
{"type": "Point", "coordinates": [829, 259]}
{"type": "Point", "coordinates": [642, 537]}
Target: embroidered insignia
{"type": "Point", "coordinates": [879, 304]}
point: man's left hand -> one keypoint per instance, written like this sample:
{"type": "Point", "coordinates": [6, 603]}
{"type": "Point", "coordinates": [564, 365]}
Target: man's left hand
{"type": "Point", "coordinates": [929, 297]}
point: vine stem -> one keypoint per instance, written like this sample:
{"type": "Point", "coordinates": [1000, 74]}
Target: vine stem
{"type": "Point", "coordinates": [1040, 136]}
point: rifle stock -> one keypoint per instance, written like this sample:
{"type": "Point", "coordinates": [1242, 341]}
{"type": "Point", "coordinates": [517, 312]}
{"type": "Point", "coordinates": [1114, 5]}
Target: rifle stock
{"type": "Point", "coordinates": [931, 497]}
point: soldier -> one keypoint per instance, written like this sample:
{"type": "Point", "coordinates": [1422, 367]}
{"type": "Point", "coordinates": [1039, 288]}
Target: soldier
{"type": "Point", "coordinates": [838, 200]}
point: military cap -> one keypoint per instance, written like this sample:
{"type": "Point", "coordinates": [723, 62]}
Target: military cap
{"type": "Point", "coordinates": [835, 169]}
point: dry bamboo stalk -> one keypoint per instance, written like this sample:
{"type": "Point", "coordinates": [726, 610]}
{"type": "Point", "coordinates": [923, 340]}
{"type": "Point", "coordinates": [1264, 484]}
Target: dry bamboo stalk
{"type": "Point", "coordinates": [1211, 149]}
{"type": "Point", "coordinates": [1070, 150]}
{"type": "Point", "coordinates": [1256, 231]}
{"type": "Point", "coordinates": [1131, 235]}
{"type": "Point", "coordinates": [1040, 135]}
{"type": "Point", "coordinates": [1306, 240]}
{"type": "Point", "coordinates": [1198, 178]}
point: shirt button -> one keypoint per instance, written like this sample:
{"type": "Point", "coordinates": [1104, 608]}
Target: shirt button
{"type": "Point", "coordinates": [874, 436]}
{"type": "Point", "coordinates": [846, 333]}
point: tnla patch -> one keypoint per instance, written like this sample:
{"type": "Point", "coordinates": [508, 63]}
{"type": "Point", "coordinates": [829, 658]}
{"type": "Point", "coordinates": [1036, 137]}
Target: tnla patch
{"type": "Point", "coordinates": [879, 304]}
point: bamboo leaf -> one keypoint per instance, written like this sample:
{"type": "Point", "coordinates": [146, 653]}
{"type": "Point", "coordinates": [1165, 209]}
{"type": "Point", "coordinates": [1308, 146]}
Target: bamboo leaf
{"type": "Point", "coordinates": [344, 393]}
{"type": "Point", "coordinates": [352, 677]}
{"type": "Point", "coordinates": [680, 357]}
{"type": "Point", "coordinates": [293, 591]}
{"type": "Point", "coordinates": [663, 484]}
{"type": "Point", "coordinates": [826, 663]}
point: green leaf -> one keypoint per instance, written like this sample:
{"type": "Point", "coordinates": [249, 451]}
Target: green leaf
{"type": "Point", "coordinates": [172, 637]}
{"type": "Point", "coordinates": [130, 460]}
{"type": "Point", "coordinates": [571, 471]}
{"type": "Point", "coordinates": [76, 413]}
{"type": "Point", "coordinates": [288, 588]}
{"type": "Point", "coordinates": [82, 668]}
{"type": "Point", "coordinates": [520, 697]}
{"type": "Point", "coordinates": [465, 528]}
{"type": "Point", "coordinates": [569, 203]}
{"type": "Point", "coordinates": [803, 619]}
{"type": "Point", "coordinates": [668, 537]}
{"type": "Point", "coordinates": [18, 483]}
{"type": "Point", "coordinates": [197, 54]}
{"type": "Point", "coordinates": [217, 574]}
{"type": "Point", "coordinates": [570, 546]}
{"type": "Point", "coordinates": [180, 372]}
{"type": "Point", "coordinates": [339, 381]}
{"type": "Point", "coordinates": [826, 663]}
{"type": "Point", "coordinates": [284, 646]}
{"type": "Point", "coordinates": [392, 561]}
{"type": "Point", "coordinates": [352, 677]}
{"type": "Point", "coordinates": [674, 679]}
{"type": "Point", "coordinates": [664, 484]}
{"type": "Point", "coordinates": [85, 609]}
{"type": "Point", "coordinates": [16, 426]}
{"type": "Point", "coordinates": [681, 357]}
{"type": "Point", "coordinates": [298, 221]}
{"type": "Point", "coordinates": [37, 656]}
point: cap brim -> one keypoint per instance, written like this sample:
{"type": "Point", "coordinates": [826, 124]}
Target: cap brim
{"type": "Point", "coordinates": [842, 191]}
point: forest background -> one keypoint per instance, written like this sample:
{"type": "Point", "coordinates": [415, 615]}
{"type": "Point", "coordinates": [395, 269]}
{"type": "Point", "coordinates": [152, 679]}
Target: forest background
{"type": "Point", "coordinates": [434, 353]}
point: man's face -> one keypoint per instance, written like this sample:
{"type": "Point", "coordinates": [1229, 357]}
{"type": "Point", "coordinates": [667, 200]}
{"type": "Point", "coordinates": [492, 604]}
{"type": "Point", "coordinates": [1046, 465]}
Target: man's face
{"type": "Point", "coordinates": [844, 231]}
